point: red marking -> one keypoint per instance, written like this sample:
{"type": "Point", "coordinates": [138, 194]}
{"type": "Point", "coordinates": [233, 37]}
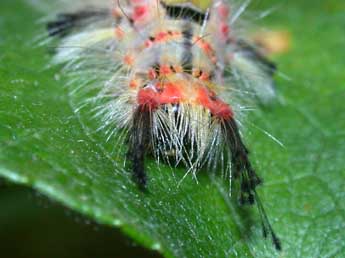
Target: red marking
{"type": "Point", "coordinates": [223, 11]}
{"type": "Point", "coordinates": [152, 74]}
{"type": "Point", "coordinates": [206, 47]}
{"type": "Point", "coordinates": [139, 12]}
{"type": "Point", "coordinates": [152, 99]}
{"type": "Point", "coordinates": [161, 36]}
{"type": "Point", "coordinates": [222, 110]}
{"type": "Point", "coordinates": [203, 97]}
{"type": "Point", "coordinates": [148, 98]}
{"type": "Point", "coordinates": [148, 43]}
{"type": "Point", "coordinates": [165, 70]}
{"type": "Point", "coordinates": [204, 76]}
{"type": "Point", "coordinates": [217, 107]}
{"type": "Point", "coordinates": [224, 30]}
{"type": "Point", "coordinates": [170, 95]}
{"type": "Point", "coordinates": [160, 85]}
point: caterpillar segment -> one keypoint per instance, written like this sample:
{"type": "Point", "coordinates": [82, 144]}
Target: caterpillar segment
{"type": "Point", "coordinates": [174, 76]}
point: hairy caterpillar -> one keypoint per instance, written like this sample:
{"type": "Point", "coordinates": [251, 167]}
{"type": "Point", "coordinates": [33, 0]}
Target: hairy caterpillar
{"type": "Point", "coordinates": [172, 75]}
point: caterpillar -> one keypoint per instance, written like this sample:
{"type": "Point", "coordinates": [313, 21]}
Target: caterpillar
{"type": "Point", "coordinates": [172, 76]}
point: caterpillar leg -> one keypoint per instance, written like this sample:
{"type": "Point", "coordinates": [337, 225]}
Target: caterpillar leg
{"type": "Point", "coordinates": [249, 180]}
{"type": "Point", "coordinates": [139, 143]}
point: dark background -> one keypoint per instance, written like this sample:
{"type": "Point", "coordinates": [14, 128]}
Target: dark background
{"type": "Point", "coordinates": [31, 225]}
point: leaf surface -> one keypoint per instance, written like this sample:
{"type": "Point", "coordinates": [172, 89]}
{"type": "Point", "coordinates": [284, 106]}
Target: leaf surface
{"type": "Point", "coordinates": [45, 145]}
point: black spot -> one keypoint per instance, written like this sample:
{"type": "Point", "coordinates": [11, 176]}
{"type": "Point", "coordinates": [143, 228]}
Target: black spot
{"type": "Point", "coordinates": [157, 68]}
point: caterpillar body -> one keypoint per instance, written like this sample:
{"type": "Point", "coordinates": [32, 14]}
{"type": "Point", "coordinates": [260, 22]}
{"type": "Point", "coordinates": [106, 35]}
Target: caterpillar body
{"type": "Point", "coordinates": [172, 75]}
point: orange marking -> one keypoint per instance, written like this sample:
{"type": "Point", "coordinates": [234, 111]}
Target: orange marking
{"type": "Point", "coordinates": [119, 33]}
{"type": "Point", "coordinates": [203, 97]}
{"type": "Point", "coordinates": [133, 84]}
{"type": "Point", "coordinates": [171, 94]}
{"type": "Point", "coordinates": [178, 68]}
{"type": "Point", "coordinates": [196, 72]}
{"type": "Point", "coordinates": [116, 12]}
{"type": "Point", "coordinates": [128, 60]}
{"type": "Point", "coordinates": [274, 42]}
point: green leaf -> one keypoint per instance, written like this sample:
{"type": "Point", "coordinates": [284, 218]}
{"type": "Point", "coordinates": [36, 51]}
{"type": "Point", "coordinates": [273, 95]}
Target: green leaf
{"type": "Point", "coordinates": [47, 146]}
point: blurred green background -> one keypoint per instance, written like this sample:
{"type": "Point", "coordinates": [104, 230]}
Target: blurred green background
{"type": "Point", "coordinates": [32, 226]}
